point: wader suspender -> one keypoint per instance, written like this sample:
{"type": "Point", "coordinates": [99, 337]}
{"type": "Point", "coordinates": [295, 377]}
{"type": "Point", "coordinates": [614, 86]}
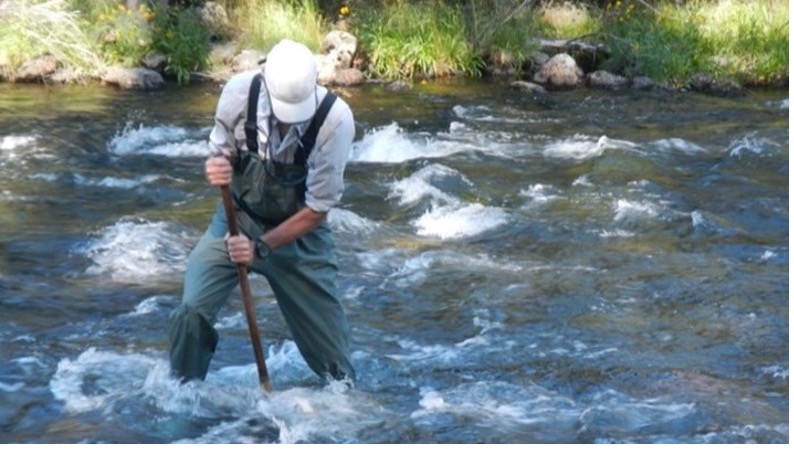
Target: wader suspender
{"type": "Point", "coordinates": [309, 138]}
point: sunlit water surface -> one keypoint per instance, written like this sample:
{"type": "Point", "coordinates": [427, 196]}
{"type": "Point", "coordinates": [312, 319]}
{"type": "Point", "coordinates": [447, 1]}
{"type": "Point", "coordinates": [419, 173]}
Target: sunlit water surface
{"type": "Point", "coordinates": [584, 267]}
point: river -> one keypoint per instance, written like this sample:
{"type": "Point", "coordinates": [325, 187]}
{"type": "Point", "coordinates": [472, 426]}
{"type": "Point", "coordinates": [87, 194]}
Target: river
{"type": "Point", "coordinates": [581, 267]}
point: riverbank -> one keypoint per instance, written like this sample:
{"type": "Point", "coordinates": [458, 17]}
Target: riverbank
{"type": "Point", "coordinates": [714, 47]}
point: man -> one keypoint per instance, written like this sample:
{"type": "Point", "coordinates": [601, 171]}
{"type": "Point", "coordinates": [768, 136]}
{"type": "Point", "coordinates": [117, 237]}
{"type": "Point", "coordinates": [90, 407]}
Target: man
{"type": "Point", "coordinates": [283, 186]}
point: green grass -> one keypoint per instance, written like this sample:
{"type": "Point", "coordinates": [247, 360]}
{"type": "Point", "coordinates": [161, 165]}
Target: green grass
{"type": "Point", "coordinates": [427, 39]}
{"type": "Point", "coordinates": [744, 41]}
{"type": "Point", "coordinates": [747, 40]}
{"type": "Point", "coordinates": [263, 23]}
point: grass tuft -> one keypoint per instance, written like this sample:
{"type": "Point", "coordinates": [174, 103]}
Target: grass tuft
{"type": "Point", "coordinates": [35, 28]}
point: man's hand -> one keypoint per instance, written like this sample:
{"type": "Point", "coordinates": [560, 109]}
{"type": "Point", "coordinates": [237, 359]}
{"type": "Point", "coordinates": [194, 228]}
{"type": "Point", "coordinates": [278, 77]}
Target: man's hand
{"type": "Point", "coordinates": [218, 171]}
{"type": "Point", "coordinates": [241, 249]}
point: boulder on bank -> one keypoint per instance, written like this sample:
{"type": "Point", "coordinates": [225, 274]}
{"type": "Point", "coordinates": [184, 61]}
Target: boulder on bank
{"type": "Point", "coordinates": [559, 73]}
{"type": "Point", "coordinates": [135, 78]}
{"type": "Point", "coordinates": [37, 70]}
{"type": "Point", "coordinates": [601, 79]}
{"type": "Point", "coordinates": [335, 60]}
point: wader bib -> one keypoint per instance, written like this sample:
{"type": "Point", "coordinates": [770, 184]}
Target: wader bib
{"type": "Point", "coordinates": [301, 274]}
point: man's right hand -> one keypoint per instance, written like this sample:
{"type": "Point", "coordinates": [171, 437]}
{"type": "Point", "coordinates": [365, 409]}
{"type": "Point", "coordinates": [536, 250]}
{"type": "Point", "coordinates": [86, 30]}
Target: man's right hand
{"type": "Point", "coordinates": [218, 171]}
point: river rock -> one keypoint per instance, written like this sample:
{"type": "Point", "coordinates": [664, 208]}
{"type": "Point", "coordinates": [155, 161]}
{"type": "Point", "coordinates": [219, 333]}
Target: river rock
{"type": "Point", "coordinates": [560, 73]}
{"type": "Point", "coordinates": [642, 83]}
{"type": "Point", "coordinates": [135, 78]}
{"type": "Point", "coordinates": [588, 56]}
{"type": "Point", "coordinates": [601, 79]}
{"type": "Point", "coordinates": [707, 84]}
{"type": "Point", "coordinates": [526, 86]}
{"type": "Point", "coordinates": [336, 55]}
{"type": "Point", "coordinates": [348, 77]}
{"type": "Point", "coordinates": [213, 16]}
{"type": "Point", "coordinates": [155, 61]}
{"type": "Point", "coordinates": [535, 61]}
{"type": "Point", "coordinates": [37, 70]}
{"type": "Point", "coordinates": [247, 60]}
{"type": "Point", "coordinates": [399, 86]}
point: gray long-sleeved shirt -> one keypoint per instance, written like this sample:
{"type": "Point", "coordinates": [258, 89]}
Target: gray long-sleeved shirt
{"type": "Point", "coordinates": [326, 163]}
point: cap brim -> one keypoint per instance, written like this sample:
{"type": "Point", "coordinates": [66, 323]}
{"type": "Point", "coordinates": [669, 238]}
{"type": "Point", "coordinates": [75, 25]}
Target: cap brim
{"type": "Point", "coordinates": [293, 112]}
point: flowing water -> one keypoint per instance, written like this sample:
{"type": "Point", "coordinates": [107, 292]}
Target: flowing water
{"type": "Point", "coordinates": [586, 267]}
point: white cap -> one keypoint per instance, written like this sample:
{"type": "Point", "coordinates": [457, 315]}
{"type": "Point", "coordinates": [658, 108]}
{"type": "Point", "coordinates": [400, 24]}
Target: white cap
{"type": "Point", "coordinates": [291, 78]}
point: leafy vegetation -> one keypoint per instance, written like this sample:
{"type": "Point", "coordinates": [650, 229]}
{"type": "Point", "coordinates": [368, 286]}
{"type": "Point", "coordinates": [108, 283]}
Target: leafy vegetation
{"type": "Point", "coordinates": [741, 40]}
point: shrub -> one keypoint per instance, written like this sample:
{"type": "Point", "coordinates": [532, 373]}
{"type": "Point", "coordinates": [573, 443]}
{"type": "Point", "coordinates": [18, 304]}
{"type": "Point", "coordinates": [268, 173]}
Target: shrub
{"type": "Point", "coordinates": [180, 35]}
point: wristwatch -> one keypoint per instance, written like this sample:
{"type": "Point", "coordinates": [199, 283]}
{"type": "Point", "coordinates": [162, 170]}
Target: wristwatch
{"type": "Point", "coordinates": [262, 249]}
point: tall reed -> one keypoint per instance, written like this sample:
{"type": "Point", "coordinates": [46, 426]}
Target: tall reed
{"type": "Point", "coordinates": [34, 28]}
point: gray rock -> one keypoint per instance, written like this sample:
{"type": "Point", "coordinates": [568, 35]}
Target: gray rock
{"type": "Point", "coordinates": [601, 79]}
{"type": "Point", "coordinates": [526, 86]}
{"type": "Point", "coordinates": [247, 60]}
{"type": "Point", "coordinates": [337, 53]}
{"type": "Point", "coordinates": [559, 73]}
{"type": "Point", "coordinates": [214, 17]}
{"type": "Point", "coordinates": [348, 77]}
{"type": "Point", "coordinates": [399, 86]}
{"type": "Point", "coordinates": [36, 70]}
{"type": "Point", "coordinates": [642, 83]}
{"type": "Point", "coordinates": [136, 78]}
{"type": "Point", "coordinates": [155, 61]}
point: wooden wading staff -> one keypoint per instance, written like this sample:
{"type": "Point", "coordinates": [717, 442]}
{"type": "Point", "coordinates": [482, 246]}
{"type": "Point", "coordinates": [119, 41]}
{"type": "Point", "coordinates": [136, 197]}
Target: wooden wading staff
{"type": "Point", "coordinates": [245, 290]}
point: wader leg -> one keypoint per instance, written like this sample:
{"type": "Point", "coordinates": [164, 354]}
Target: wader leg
{"type": "Point", "coordinates": [303, 278]}
{"type": "Point", "coordinates": [209, 279]}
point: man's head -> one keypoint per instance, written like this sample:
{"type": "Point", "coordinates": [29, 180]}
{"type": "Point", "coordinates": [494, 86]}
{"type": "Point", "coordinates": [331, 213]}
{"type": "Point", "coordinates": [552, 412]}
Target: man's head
{"type": "Point", "coordinates": [291, 77]}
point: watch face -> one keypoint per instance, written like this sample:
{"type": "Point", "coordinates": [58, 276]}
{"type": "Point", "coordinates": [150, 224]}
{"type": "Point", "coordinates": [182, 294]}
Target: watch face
{"type": "Point", "coordinates": [262, 249]}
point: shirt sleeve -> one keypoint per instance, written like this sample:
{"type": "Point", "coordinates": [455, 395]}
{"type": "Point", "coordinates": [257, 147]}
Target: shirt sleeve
{"type": "Point", "coordinates": [325, 179]}
{"type": "Point", "coordinates": [228, 132]}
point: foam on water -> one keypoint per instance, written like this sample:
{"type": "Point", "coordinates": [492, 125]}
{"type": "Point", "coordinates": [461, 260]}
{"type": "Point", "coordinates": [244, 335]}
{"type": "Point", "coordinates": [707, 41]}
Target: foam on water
{"type": "Point", "coordinates": [751, 144]}
{"type": "Point", "coordinates": [150, 305]}
{"type": "Point", "coordinates": [420, 184]}
{"type": "Point", "coordinates": [450, 222]}
{"type": "Point", "coordinates": [678, 144]}
{"type": "Point", "coordinates": [416, 268]}
{"type": "Point", "coordinates": [116, 183]}
{"type": "Point", "coordinates": [102, 380]}
{"type": "Point", "coordinates": [635, 210]}
{"type": "Point", "coordinates": [512, 410]}
{"type": "Point", "coordinates": [10, 144]}
{"type": "Point", "coordinates": [136, 250]}
{"type": "Point", "coordinates": [627, 416]}
{"type": "Point", "coordinates": [96, 378]}
{"type": "Point", "coordinates": [581, 147]}
{"type": "Point", "coordinates": [389, 144]}
{"type": "Point", "coordinates": [342, 220]}
{"type": "Point", "coordinates": [483, 113]}
{"type": "Point", "coordinates": [160, 140]}
{"type": "Point", "coordinates": [539, 194]}
{"type": "Point", "coordinates": [447, 217]}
